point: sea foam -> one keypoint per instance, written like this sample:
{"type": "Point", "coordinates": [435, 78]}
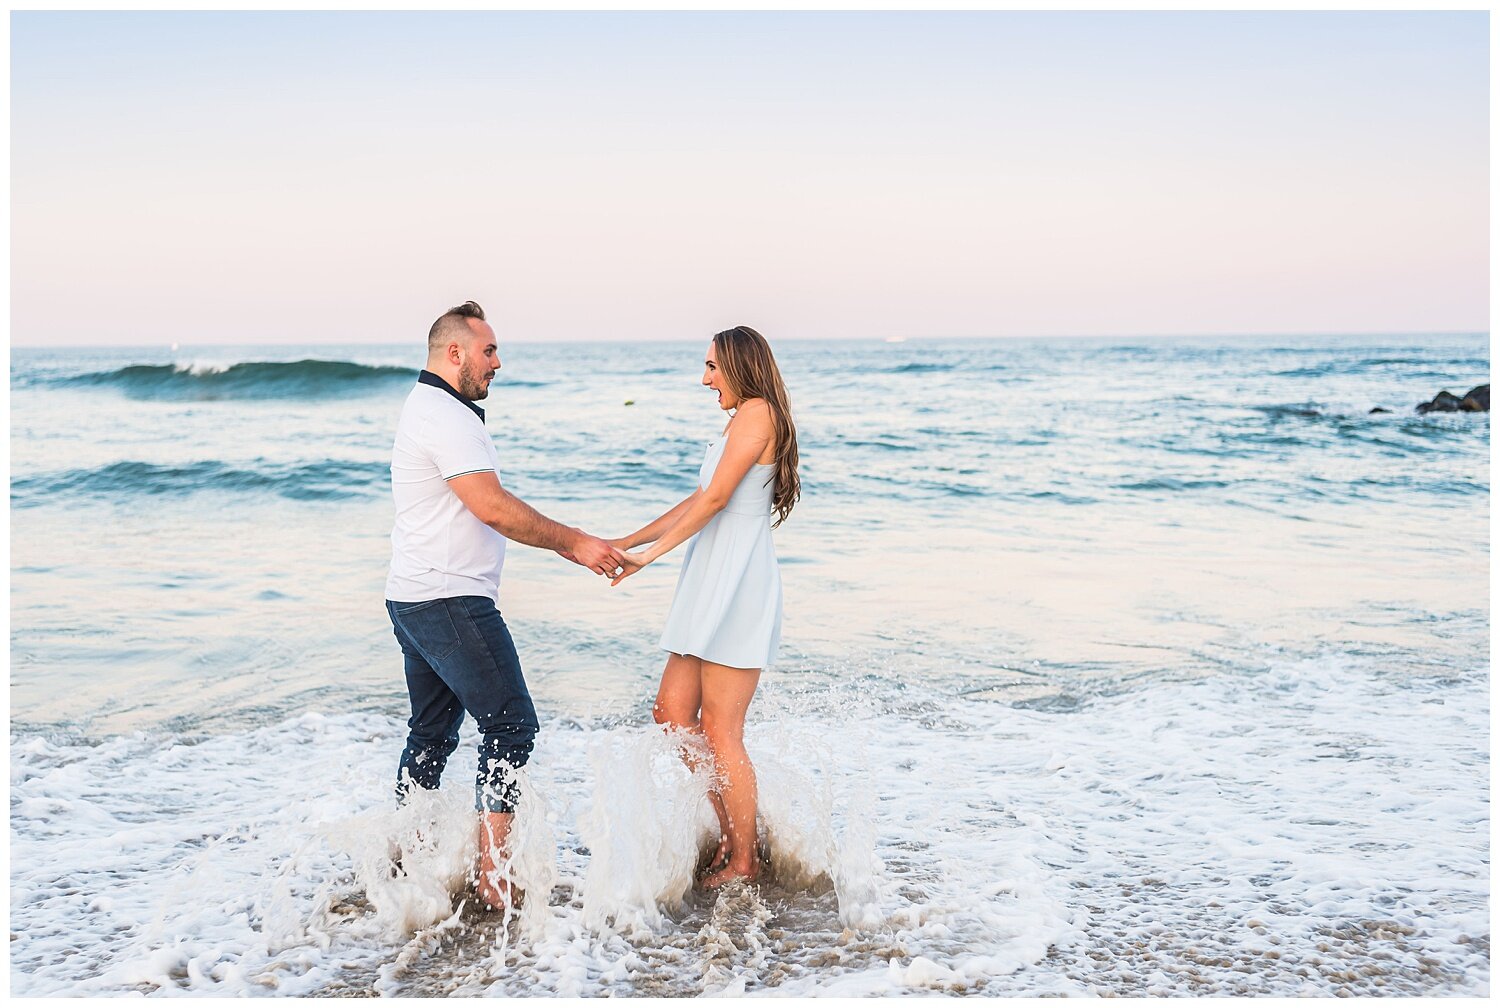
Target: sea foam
{"type": "Point", "coordinates": [1311, 826]}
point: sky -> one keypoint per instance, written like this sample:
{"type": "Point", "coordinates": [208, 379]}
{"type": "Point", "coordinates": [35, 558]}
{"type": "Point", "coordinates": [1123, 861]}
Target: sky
{"type": "Point", "coordinates": [344, 177]}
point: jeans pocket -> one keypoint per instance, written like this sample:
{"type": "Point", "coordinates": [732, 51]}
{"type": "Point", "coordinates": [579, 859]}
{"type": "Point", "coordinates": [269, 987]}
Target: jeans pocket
{"type": "Point", "coordinates": [402, 608]}
{"type": "Point", "coordinates": [430, 628]}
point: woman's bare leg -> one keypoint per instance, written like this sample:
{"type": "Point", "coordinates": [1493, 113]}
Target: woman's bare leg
{"type": "Point", "coordinates": [678, 702]}
{"type": "Point", "coordinates": [680, 695]}
{"type": "Point", "coordinates": [726, 697]}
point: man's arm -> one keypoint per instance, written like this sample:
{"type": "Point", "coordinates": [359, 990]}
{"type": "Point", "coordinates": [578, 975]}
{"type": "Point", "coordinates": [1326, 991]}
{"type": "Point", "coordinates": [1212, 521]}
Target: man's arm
{"type": "Point", "coordinates": [513, 518]}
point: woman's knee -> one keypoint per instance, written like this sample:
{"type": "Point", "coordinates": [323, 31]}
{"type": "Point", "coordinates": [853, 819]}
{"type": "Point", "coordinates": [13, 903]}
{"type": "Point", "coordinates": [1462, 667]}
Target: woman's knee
{"type": "Point", "coordinates": [723, 733]}
{"type": "Point", "coordinates": [674, 715]}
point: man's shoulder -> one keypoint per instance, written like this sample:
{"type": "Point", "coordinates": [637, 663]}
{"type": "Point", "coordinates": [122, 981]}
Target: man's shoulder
{"type": "Point", "coordinates": [430, 407]}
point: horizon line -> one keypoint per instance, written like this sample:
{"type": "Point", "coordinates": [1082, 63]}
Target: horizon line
{"type": "Point", "coordinates": [894, 338]}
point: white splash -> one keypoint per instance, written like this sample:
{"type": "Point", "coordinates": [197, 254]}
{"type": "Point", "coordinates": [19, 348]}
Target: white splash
{"type": "Point", "coordinates": [1317, 823]}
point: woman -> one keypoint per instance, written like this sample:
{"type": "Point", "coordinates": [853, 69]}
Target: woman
{"type": "Point", "coordinates": [725, 622]}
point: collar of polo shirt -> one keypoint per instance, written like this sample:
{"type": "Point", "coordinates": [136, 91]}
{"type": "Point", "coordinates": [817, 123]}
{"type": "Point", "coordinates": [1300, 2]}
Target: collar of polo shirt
{"type": "Point", "coordinates": [428, 378]}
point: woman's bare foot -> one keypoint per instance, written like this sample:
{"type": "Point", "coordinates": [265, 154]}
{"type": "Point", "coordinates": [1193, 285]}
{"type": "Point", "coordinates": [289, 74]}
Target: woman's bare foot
{"type": "Point", "coordinates": [732, 873]}
{"type": "Point", "coordinates": [722, 855]}
{"type": "Point", "coordinates": [718, 858]}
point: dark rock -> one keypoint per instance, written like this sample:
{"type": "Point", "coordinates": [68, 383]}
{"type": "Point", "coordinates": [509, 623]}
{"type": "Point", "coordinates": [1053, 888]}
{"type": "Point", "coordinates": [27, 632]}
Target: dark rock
{"type": "Point", "coordinates": [1477, 400]}
{"type": "Point", "coordinates": [1380, 409]}
{"type": "Point", "coordinates": [1443, 402]}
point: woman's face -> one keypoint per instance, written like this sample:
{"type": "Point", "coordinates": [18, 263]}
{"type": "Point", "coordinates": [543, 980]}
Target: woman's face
{"type": "Point", "coordinates": [714, 380]}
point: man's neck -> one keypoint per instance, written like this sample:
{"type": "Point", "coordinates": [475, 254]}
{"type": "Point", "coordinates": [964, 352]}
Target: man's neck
{"type": "Point", "coordinates": [450, 386]}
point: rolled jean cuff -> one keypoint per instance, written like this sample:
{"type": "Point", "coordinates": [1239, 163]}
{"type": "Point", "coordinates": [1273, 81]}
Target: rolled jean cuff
{"type": "Point", "coordinates": [497, 789]}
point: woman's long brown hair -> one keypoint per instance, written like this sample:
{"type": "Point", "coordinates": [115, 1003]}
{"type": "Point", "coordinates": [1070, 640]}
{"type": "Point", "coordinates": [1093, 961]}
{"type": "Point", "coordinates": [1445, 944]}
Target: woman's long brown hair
{"type": "Point", "coordinates": [750, 371]}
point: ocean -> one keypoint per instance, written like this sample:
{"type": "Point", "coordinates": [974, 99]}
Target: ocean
{"type": "Point", "coordinates": [1109, 666]}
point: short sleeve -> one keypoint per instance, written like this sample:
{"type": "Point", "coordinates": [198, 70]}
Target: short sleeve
{"type": "Point", "coordinates": [462, 451]}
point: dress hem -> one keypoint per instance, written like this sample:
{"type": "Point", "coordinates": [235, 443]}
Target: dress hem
{"type": "Point", "coordinates": [742, 668]}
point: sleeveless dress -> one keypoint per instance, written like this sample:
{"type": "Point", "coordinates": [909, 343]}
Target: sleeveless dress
{"type": "Point", "coordinates": [727, 608]}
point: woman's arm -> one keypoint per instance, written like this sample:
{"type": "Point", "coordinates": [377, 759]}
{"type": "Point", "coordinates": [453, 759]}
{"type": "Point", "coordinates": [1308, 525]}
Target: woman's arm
{"type": "Point", "coordinates": [749, 433]}
{"type": "Point", "coordinates": [653, 532]}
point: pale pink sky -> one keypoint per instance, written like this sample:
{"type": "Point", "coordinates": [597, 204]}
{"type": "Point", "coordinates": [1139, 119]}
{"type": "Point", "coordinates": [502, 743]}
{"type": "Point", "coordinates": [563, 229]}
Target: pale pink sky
{"type": "Point", "coordinates": [247, 178]}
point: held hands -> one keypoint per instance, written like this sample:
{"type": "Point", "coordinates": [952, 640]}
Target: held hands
{"type": "Point", "coordinates": [629, 564]}
{"type": "Point", "coordinates": [593, 553]}
{"type": "Point", "coordinates": [607, 557]}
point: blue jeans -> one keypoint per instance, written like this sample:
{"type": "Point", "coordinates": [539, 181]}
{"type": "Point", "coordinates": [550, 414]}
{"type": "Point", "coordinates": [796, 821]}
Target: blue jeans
{"type": "Point", "coordinates": [459, 656]}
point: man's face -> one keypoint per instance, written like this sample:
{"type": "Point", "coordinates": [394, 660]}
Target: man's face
{"type": "Point", "coordinates": [479, 360]}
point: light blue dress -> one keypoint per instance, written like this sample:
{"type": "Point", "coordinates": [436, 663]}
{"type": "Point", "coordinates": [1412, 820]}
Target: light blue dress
{"type": "Point", "coordinates": [727, 608]}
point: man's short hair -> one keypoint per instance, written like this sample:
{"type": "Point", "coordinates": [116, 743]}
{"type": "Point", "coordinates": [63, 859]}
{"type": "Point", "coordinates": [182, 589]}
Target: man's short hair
{"type": "Point", "coordinates": [452, 325]}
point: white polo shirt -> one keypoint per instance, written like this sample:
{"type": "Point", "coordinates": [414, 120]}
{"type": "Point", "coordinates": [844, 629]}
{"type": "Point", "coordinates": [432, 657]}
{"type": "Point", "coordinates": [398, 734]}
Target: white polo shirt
{"type": "Point", "coordinates": [438, 548]}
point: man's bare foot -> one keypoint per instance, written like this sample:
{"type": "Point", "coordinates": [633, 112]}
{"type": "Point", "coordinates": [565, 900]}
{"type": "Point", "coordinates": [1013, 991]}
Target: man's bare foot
{"type": "Point", "coordinates": [732, 873]}
{"type": "Point", "coordinates": [495, 890]}
{"type": "Point", "coordinates": [499, 896]}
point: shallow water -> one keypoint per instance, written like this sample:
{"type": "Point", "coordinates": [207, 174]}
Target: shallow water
{"type": "Point", "coordinates": [1147, 667]}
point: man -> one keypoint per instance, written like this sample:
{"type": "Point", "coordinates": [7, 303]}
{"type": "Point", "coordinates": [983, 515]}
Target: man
{"type": "Point", "coordinates": [447, 548]}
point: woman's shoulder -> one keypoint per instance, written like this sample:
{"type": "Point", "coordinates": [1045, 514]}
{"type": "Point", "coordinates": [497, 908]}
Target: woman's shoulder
{"type": "Point", "coordinates": [753, 416]}
{"type": "Point", "coordinates": [753, 411]}
{"type": "Point", "coordinates": [753, 422]}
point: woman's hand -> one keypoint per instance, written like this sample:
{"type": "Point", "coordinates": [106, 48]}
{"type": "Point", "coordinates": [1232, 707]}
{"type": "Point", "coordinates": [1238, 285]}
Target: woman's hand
{"type": "Point", "coordinates": [633, 562]}
{"type": "Point", "coordinates": [622, 544]}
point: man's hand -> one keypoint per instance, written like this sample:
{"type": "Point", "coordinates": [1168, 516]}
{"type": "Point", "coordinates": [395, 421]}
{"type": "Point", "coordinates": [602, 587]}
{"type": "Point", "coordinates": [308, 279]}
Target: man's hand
{"type": "Point", "coordinates": [595, 554]}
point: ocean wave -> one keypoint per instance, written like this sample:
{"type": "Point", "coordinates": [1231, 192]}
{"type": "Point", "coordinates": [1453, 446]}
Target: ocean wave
{"type": "Point", "coordinates": [1352, 413]}
{"type": "Point", "coordinates": [303, 379]}
{"type": "Point", "coordinates": [327, 480]}
{"type": "Point", "coordinates": [311, 481]}
{"type": "Point", "coordinates": [1320, 425]}
{"type": "Point", "coordinates": [1405, 483]}
{"type": "Point", "coordinates": [1414, 367]}
{"type": "Point", "coordinates": [1168, 483]}
{"type": "Point", "coordinates": [917, 368]}
{"type": "Point", "coordinates": [1280, 410]}
{"type": "Point", "coordinates": [884, 444]}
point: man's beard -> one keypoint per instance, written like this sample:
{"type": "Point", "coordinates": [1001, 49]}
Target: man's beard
{"type": "Point", "coordinates": [471, 381]}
